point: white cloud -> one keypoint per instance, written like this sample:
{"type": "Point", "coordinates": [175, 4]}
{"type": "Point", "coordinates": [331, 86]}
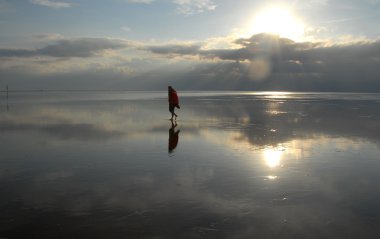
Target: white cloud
{"type": "Point", "coordinates": [189, 7]}
{"type": "Point", "coordinates": [317, 2]}
{"type": "Point", "coordinates": [126, 29]}
{"type": "Point", "coordinates": [141, 1]}
{"type": "Point", "coordinates": [314, 3]}
{"type": "Point", "coordinates": [52, 4]}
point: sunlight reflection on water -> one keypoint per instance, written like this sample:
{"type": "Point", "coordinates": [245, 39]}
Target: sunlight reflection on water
{"type": "Point", "coordinates": [273, 156]}
{"type": "Point", "coordinates": [105, 164]}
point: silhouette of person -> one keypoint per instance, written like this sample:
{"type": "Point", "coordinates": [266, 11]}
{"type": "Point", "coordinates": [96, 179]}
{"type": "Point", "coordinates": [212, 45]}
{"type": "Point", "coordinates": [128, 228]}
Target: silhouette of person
{"type": "Point", "coordinates": [173, 137]}
{"type": "Point", "coordinates": [173, 101]}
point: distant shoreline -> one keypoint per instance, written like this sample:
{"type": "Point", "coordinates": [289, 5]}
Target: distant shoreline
{"type": "Point", "coordinates": [200, 91]}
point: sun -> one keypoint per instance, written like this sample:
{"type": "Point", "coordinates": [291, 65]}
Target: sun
{"type": "Point", "coordinates": [279, 21]}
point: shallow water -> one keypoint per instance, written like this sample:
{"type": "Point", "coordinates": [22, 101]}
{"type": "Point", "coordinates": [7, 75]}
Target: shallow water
{"type": "Point", "coordinates": [236, 165]}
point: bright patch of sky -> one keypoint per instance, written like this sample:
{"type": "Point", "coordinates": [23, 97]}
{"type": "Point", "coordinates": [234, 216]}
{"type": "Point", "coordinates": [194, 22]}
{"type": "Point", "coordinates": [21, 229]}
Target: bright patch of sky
{"type": "Point", "coordinates": [143, 34]}
{"type": "Point", "coordinates": [164, 20]}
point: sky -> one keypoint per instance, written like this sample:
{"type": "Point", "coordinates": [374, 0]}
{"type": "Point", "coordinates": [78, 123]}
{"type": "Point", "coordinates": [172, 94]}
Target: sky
{"type": "Point", "coordinates": [316, 45]}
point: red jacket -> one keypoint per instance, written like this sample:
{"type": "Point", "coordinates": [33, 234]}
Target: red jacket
{"type": "Point", "coordinates": [173, 98]}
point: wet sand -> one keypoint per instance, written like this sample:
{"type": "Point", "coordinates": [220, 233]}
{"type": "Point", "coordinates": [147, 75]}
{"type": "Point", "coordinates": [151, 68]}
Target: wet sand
{"type": "Point", "coordinates": [234, 165]}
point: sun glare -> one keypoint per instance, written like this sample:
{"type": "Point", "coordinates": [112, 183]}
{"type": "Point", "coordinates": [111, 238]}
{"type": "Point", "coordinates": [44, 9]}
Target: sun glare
{"type": "Point", "coordinates": [278, 21]}
{"type": "Point", "coordinates": [272, 157]}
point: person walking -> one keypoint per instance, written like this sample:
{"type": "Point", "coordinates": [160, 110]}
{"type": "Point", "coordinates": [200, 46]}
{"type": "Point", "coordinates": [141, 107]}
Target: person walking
{"type": "Point", "coordinates": [173, 101]}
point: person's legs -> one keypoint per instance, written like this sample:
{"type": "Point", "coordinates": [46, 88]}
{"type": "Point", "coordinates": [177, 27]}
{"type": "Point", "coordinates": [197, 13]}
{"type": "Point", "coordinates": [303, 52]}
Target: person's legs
{"type": "Point", "coordinates": [171, 109]}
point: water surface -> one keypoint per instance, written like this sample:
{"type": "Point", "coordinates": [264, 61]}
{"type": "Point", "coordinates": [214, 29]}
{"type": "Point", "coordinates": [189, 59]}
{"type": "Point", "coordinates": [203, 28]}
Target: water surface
{"type": "Point", "coordinates": [234, 165]}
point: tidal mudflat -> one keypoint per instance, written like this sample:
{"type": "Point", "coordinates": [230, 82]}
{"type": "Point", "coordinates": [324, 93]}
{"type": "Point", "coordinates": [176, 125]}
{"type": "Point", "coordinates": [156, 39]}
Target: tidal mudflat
{"type": "Point", "coordinates": [234, 165]}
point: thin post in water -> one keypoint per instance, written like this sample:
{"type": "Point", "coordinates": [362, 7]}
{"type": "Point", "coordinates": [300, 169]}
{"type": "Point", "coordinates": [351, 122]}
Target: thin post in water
{"type": "Point", "coordinates": [7, 98]}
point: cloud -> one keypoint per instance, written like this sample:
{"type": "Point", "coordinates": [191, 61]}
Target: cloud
{"type": "Point", "coordinates": [186, 7]}
{"type": "Point", "coordinates": [277, 50]}
{"type": "Point", "coordinates": [258, 45]}
{"type": "Point", "coordinates": [48, 36]}
{"type": "Point", "coordinates": [174, 49]}
{"type": "Point", "coordinates": [17, 53]}
{"type": "Point", "coordinates": [317, 2]}
{"type": "Point", "coordinates": [126, 29]}
{"type": "Point", "coordinates": [84, 47]}
{"type": "Point", "coordinates": [81, 47]}
{"type": "Point", "coordinates": [52, 4]}
{"type": "Point", "coordinates": [189, 7]}
{"type": "Point", "coordinates": [261, 62]}
{"type": "Point", "coordinates": [141, 1]}
{"type": "Point", "coordinates": [268, 62]}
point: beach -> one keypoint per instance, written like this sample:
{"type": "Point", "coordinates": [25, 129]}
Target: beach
{"type": "Point", "coordinates": [233, 165]}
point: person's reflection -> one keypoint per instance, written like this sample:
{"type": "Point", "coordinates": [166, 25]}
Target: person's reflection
{"type": "Point", "coordinates": [173, 137]}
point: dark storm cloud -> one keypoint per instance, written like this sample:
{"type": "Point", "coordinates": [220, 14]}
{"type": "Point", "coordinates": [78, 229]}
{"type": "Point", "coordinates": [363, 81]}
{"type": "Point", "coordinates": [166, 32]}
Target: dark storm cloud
{"type": "Point", "coordinates": [82, 47]}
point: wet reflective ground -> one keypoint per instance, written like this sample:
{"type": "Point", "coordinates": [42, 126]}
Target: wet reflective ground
{"type": "Point", "coordinates": [234, 165]}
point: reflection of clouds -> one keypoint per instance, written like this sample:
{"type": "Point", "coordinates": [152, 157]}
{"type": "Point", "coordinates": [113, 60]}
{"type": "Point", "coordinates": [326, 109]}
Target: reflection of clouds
{"type": "Point", "coordinates": [227, 176]}
{"type": "Point", "coordinates": [301, 149]}
{"type": "Point", "coordinates": [202, 190]}
{"type": "Point", "coordinates": [51, 176]}
{"type": "Point", "coordinates": [130, 192]}
{"type": "Point", "coordinates": [273, 118]}
{"type": "Point", "coordinates": [80, 131]}
{"type": "Point", "coordinates": [260, 122]}
{"type": "Point", "coordinates": [65, 131]}
{"type": "Point", "coordinates": [82, 121]}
